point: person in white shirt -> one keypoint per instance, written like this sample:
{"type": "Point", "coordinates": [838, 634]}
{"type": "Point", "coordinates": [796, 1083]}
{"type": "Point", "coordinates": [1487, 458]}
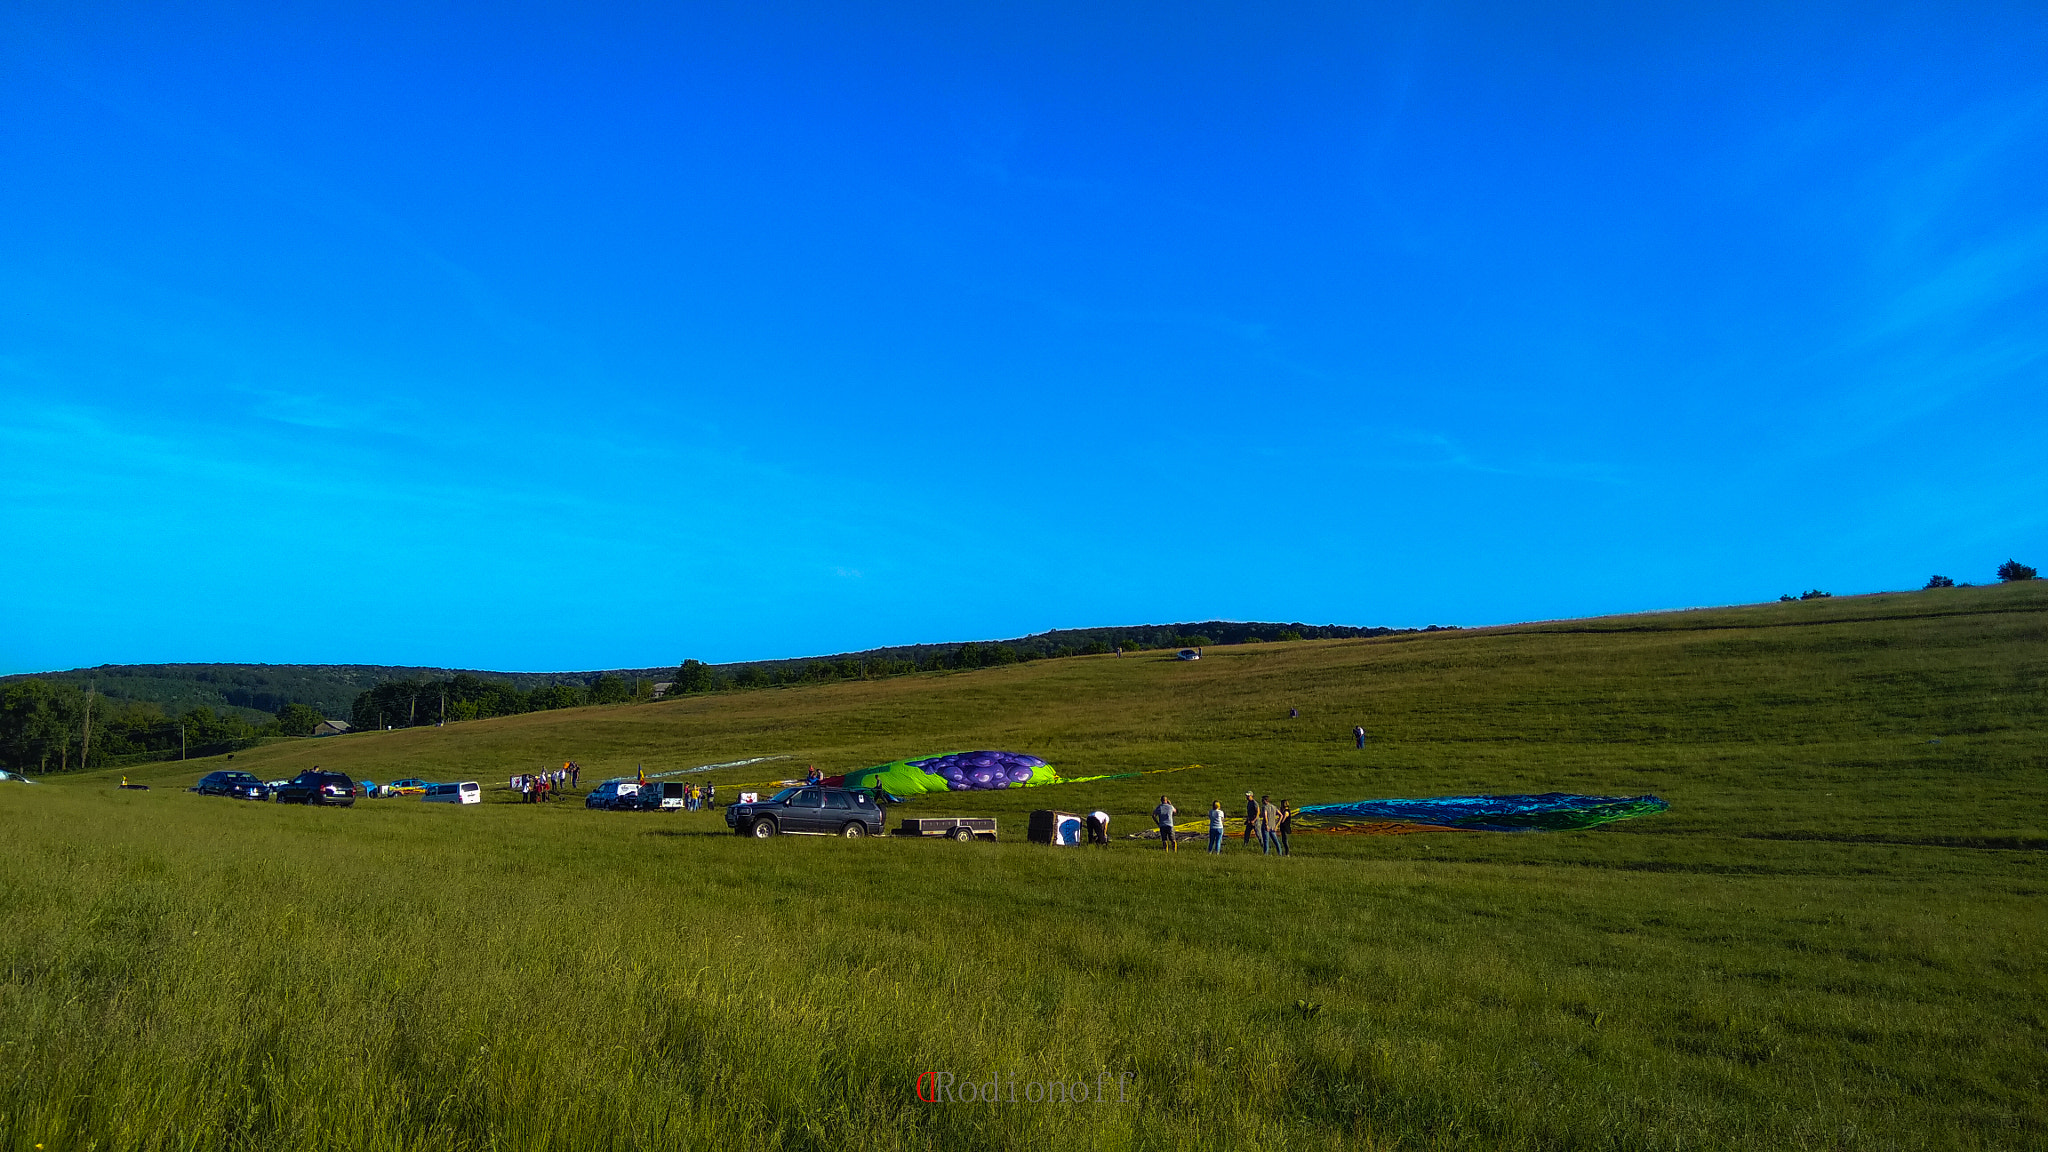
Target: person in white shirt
{"type": "Point", "coordinates": [1098, 827]}
{"type": "Point", "coordinates": [1216, 826]}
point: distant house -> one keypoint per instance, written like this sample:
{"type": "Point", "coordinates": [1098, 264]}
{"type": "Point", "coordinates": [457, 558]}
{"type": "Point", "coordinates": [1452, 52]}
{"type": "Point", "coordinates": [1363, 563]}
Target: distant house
{"type": "Point", "coordinates": [332, 728]}
{"type": "Point", "coordinates": [662, 688]}
{"type": "Point", "coordinates": [1190, 654]}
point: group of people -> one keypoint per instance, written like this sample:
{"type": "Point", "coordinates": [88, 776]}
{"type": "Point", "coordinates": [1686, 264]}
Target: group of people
{"type": "Point", "coordinates": [1272, 823]}
{"type": "Point", "coordinates": [698, 797]}
{"type": "Point", "coordinates": [536, 787]}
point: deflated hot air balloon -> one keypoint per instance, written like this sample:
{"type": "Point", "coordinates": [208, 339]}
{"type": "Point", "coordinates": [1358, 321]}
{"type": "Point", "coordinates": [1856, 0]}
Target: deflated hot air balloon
{"type": "Point", "coordinates": [1549, 812]}
{"type": "Point", "coordinates": [983, 771]}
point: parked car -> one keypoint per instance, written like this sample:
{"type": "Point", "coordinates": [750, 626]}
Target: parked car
{"type": "Point", "coordinates": [410, 786]}
{"type": "Point", "coordinates": [810, 810]}
{"type": "Point", "coordinates": [240, 785]}
{"type": "Point", "coordinates": [614, 795]}
{"type": "Point", "coordinates": [466, 792]}
{"type": "Point", "coordinates": [318, 788]}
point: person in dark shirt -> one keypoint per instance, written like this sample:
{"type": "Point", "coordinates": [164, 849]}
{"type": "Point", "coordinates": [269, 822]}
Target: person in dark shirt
{"type": "Point", "coordinates": [1251, 818]}
{"type": "Point", "coordinates": [1286, 827]}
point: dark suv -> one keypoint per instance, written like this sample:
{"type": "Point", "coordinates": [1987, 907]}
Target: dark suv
{"type": "Point", "coordinates": [240, 785]}
{"type": "Point", "coordinates": [810, 810]}
{"type": "Point", "coordinates": [318, 788]}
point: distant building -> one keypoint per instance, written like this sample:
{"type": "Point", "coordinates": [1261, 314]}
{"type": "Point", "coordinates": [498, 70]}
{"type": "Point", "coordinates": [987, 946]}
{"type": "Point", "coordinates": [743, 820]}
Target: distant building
{"type": "Point", "coordinates": [662, 688]}
{"type": "Point", "coordinates": [332, 728]}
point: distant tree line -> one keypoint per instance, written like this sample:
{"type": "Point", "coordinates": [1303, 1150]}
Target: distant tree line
{"type": "Point", "coordinates": [411, 703]}
{"type": "Point", "coordinates": [50, 726]}
{"type": "Point", "coordinates": [695, 676]}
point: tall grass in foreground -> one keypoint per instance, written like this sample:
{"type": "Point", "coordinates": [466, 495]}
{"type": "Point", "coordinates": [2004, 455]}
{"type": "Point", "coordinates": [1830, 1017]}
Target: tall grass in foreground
{"type": "Point", "coordinates": [194, 975]}
{"type": "Point", "coordinates": [1833, 941]}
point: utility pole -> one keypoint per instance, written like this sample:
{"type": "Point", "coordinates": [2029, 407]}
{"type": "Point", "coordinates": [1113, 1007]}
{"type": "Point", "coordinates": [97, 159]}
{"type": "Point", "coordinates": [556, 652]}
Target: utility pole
{"type": "Point", "coordinates": [85, 742]}
{"type": "Point", "coordinates": [444, 707]}
{"type": "Point", "coordinates": [181, 739]}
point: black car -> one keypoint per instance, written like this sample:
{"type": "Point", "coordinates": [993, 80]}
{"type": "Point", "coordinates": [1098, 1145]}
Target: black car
{"type": "Point", "coordinates": [810, 810]}
{"type": "Point", "coordinates": [240, 785]}
{"type": "Point", "coordinates": [318, 788]}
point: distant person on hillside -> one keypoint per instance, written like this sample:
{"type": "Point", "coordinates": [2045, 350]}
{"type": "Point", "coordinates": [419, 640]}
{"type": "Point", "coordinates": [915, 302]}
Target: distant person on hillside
{"type": "Point", "coordinates": [575, 774]}
{"type": "Point", "coordinates": [1358, 734]}
{"type": "Point", "coordinates": [711, 796]}
{"type": "Point", "coordinates": [1216, 828]}
{"type": "Point", "coordinates": [1251, 818]}
{"type": "Point", "coordinates": [1294, 713]}
{"type": "Point", "coordinates": [1269, 826]}
{"type": "Point", "coordinates": [1286, 827]}
{"type": "Point", "coordinates": [1164, 816]}
{"type": "Point", "coordinates": [1098, 827]}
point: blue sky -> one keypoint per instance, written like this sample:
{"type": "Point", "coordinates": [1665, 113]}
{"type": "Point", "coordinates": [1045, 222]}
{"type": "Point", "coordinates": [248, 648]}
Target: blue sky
{"type": "Point", "coordinates": [538, 337]}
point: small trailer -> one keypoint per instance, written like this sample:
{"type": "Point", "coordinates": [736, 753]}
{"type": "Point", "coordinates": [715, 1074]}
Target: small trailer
{"type": "Point", "coordinates": [961, 828]}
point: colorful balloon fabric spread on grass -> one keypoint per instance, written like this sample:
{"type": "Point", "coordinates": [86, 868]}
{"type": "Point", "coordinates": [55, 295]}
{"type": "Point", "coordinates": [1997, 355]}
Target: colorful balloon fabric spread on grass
{"type": "Point", "coordinates": [1549, 812]}
{"type": "Point", "coordinates": [980, 771]}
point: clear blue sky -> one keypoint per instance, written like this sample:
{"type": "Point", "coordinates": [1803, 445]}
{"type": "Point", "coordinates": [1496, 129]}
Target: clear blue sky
{"type": "Point", "coordinates": [573, 336]}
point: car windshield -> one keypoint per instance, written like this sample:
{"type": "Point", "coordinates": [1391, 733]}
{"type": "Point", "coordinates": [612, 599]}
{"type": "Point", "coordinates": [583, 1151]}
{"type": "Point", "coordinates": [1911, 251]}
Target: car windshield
{"type": "Point", "coordinates": [239, 778]}
{"type": "Point", "coordinates": [779, 797]}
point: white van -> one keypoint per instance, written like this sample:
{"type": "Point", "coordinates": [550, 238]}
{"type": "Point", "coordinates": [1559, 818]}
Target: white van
{"type": "Point", "coordinates": [466, 792]}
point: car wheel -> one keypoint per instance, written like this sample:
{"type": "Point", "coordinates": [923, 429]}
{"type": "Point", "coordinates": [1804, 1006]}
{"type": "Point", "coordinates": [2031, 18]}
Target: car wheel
{"type": "Point", "coordinates": [854, 831]}
{"type": "Point", "coordinates": [761, 829]}
{"type": "Point", "coordinates": [961, 834]}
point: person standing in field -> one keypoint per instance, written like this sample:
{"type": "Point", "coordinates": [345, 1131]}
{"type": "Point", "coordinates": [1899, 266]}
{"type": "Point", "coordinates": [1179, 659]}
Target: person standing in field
{"type": "Point", "coordinates": [1164, 816]}
{"type": "Point", "coordinates": [575, 774]}
{"type": "Point", "coordinates": [1358, 734]}
{"type": "Point", "coordinates": [1216, 828]}
{"type": "Point", "coordinates": [1286, 827]}
{"type": "Point", "coordinates": [1251, 817]}
{"type": "Point", "coordinates": [1269, 826]}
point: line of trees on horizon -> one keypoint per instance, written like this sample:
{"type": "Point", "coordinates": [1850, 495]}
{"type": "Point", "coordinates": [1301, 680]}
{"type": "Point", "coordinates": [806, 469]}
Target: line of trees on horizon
{"type": "Point", "coordinates": [51, 726]}
{"type": "Point", "coordinates": [695, 677]}
{"type": "Point", "coordinates": [412, 703]}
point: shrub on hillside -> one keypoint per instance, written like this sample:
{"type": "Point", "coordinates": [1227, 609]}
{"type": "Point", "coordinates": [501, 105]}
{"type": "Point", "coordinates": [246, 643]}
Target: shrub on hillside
{"type": "Point", "coordinates": [1815, 594]}
{"type": "Point", "coordinates": [297, 720]}
{"type": "Point", "coordinates": [2013, 570]}
{"type": "Point", "coordinates": [1940, 582]}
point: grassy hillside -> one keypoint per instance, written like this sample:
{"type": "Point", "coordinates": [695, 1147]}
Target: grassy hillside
{"type": "Point", "coordinates": [1832, 940]}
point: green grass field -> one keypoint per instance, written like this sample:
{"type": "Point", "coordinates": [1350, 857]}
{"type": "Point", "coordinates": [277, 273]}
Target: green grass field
{"type": "Point", "coordinates": [1833, 940]}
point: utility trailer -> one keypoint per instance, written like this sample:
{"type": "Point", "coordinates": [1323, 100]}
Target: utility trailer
{"type": "Point", "coordinates": [961, 828]}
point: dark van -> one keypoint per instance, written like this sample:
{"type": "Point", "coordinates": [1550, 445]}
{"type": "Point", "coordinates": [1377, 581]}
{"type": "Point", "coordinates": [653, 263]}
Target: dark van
{"type": "Point", "coordinates": [318, 788]}
{"type": "Point", "coordinates": [810, 810]}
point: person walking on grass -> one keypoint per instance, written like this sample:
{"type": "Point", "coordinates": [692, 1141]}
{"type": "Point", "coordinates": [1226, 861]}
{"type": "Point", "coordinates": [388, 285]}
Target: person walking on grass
{"type": "Point", "coordinates": [1216, 828]}
{"type": "Point", "coordinates": [1286, 827]}
{"type": "Point", "coordinates": [1164, 816]}
{"type": "Point", "coordinates": [1269, 826]}
{"type": "Point", "coordinates": [1251, 818]}
{"type": "Point", "coordinates": [1358, 734]}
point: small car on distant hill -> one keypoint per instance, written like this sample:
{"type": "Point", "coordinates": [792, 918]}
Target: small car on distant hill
{"type": "Point", "coordinates": [240, 785]}
{"type": "Point", "coordinates": [810, 810]}
{"type": "Point", "coordinates": [312, 787]}
{"type": "Point", "coordinates": [410, 786]}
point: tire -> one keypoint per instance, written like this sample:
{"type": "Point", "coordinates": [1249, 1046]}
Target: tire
{"type": "Point", "coordinates": [761, 829]}
{"type": "Point", "coordinates": [854, 830]}
{"type": "Point", "coordinates": [963, 835]}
